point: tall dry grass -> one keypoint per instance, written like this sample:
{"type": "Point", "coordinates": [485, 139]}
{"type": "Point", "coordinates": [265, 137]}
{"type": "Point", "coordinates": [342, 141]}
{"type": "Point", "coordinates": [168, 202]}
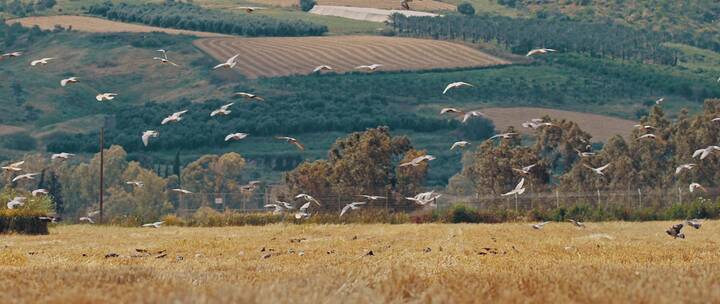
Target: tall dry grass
{"type": "Point", "coordinates": [609, 262]}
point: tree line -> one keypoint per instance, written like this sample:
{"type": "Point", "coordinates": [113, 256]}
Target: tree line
{"type": "Point", "coordinates": [646, 163]}
{"type": "Point", "coordinates": [188, 16]}
{"type": "Point", "coordinates": [520, 35]}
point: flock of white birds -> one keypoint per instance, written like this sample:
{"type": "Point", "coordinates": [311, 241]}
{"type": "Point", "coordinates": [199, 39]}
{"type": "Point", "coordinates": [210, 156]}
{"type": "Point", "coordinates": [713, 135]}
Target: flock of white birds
{"type": "Point", "coordinates": [422, 199]}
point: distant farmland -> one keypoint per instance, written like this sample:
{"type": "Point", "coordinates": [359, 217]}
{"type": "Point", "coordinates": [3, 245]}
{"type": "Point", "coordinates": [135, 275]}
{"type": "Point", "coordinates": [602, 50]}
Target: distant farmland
{"type": "Point", "coordinates": [271, 57]}
{"type": "Point", "coordinates": [98, 25]}
{"type": "Point", "coordinates": [601, 127]}
{"type": "Point", "coordinates": [424, 5]}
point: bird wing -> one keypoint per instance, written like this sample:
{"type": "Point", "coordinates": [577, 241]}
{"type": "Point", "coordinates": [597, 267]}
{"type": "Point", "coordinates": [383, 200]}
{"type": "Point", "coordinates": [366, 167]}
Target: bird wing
{"type": "Point", "coordinates": [145, 137]}
{"type": "Point", "coordinates": [345, 209]}
{"type": "Point", "coordinates": [305, 206]}
{"type": "Point", "coordinates": [603, 167]}
{"type": "Point", "coordinates": [229, 137]}
{"type": "Point", "coordinates": [298, 145]}
{"type": "Point", "coordinates": [219, 66]}
{"type": "Point", "coordinates": [698, 152]}
{"type": "Point", "coordinates": [232, 59]}
{"type": "Point", "coordinates": [520, 184]}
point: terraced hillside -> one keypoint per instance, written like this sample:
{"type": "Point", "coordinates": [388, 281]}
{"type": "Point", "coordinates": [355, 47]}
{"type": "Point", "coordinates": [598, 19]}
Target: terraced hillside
{"type": "Point", "coordinates": [271, 57]}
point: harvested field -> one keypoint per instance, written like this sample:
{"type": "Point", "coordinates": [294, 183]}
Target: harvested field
{"type": "Point", "coordinates": [7, 129]}
{"type": "Point", "coordinates": [362, 13]}
{"type": "Point", "coordinates": [601, 127]}
{"type": "Point", "coordinates": [271, 57]}
{"type": "Point", "coordinates": [616, 262]}
{"type": "Point", "coordinates": [418, 5]}
{"type": "Point", "coordinates": [98, 25]}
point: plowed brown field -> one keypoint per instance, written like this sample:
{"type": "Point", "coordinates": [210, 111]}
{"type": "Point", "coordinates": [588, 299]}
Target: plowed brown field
{"type": "Point", "coordinates": [270, 57]}
{"type": "Point", "coordinates": [601, 127]}
{"type": "Point", "coordinates": [98, 25]}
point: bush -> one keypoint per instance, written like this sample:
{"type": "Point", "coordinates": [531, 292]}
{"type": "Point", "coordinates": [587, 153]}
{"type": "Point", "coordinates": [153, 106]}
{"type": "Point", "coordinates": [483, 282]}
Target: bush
{"type": "Point", "coordinates": [19, 141]}
{"type": "Point", "coordinates": [307, 5]}
{"type": "Point", "coordinates": [462, 214]}
{"type": "Point", "coordinates": [466, 9]}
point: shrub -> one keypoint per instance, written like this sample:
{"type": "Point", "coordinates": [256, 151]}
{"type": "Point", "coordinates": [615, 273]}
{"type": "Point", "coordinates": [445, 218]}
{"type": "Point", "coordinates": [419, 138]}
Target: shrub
{"type": "Point", "coordinates": [19, 141]}
{"type": "Point", "coordinates": [466, 8]}
{"type": "Point", "coordinates": [463, 214]}
{"type": "Point", "coordinates": [307, 5]}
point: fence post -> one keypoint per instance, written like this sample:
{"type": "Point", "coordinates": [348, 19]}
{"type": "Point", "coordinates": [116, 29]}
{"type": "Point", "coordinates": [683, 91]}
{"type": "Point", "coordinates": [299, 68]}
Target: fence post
{"type": "Point", "coordinates": [557, 199]}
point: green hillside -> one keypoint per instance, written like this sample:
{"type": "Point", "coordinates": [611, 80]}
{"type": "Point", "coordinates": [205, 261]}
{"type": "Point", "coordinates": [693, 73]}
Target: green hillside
{"type": "Point", "coordinates": [317, 109]}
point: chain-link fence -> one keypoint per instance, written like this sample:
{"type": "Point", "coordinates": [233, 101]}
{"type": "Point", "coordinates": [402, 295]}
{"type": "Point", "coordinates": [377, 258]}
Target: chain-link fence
{"type": "Point", "coordinates": [395, 202]}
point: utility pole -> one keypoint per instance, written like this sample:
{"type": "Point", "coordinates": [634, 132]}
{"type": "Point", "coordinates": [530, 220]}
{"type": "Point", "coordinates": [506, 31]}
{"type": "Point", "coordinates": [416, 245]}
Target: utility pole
{"type": "Point", "coordinates": [102, 173]}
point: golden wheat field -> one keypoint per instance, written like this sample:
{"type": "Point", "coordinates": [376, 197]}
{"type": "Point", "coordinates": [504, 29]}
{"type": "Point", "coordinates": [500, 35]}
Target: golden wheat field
{"type": "Point", "coordinates": [601, 127]}
{"type": "Point", "coordinates": [98, 25]}
{"type": "Point", "coordinates": [270, 57]}
{"type": "Point", "coordinates": [429, 263]}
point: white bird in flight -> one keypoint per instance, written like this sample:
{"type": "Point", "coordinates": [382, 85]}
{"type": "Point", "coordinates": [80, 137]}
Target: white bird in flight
{"type": "Point", "coordinates": [68, 81]}
{"type": "Point", "coordinates": [703, 153]}
{"type": "Point", "coordinates": [249, 96]}
{"type": "Point", "coordinates": [470, 114]}
{"type": "Point", "coordinates": [86, 219]}
{"type": "Point", "coordinates": [695, 223]}
{"type": "Point", "coordinates": [224, 110]}
{"type": "Point", "coordinates": [351, 206]}
{"type": "Point", "coordinates": [584, 154]}
{"type": "Point", "coordinates": [644, 127]}
{"type": "Point", "coordinates": [183, 191]}
{"type": "Point", "coordinates": [322, 68]}
{"type": "Point", "coordinates": [459, 144]}
{"type": "Point", "coordinates": [146, 136]}
{"type": "Point", "coordinates": [660, 100]}
{"type": "Point", "coordinates": [235, 136]}
{"type": "Point", "coordinates": [28, 176]}
{"type": "Point", "coordinates": [694, 186]}
{"type": "Point", "coordinates": [292, 141]}
{"type": "Point", "coordinates": [684, 167]}
{"type": "Point", "coordinates": [372, 197]}
{"type": "Point", "coordinates": [175, 117]}
{"type": "Point", "coordinates": [154, 225]}
{"type": "Point", "coordinates": [598, 171]}
{"type": "Point", "coordinates": [456, 85]}
{"type": "Point", "coordinates": [540, 51]}
{"type": "Point", "coordinates": [138, 184]}
{"type": "Point", "coordinates": [647, 136]}
{"type": "Point", "coordinates": [105, 96]}
{"type": "Point", "coordinates": [37, 192]}
{"type": "Point", "coordinates": [12, 54]}
{"type": "Point", "coordinates": [278, 208]}
{"type": "Point", "coordinates": [425, 198]}
{"type": "Point", "coordinates": [230, 63]}
{"type": "Point", "coordinates": [418, 160]}
{"type": "Point", "coordinates": [539, 226]}
{"type": "Point", "coordinates": [307, 198]}
{"type": "Point", "coordinates": [578, 224]}
{"type": "Point", "coordinates": [164, 59]}
{"type": "Point", "coordinates": [537, 125]}
{"type": "Point", "coordinates": [369, 68]}
{"type": "Point", "coordinates": [18, 201]}
{"type": "Point", "coordinates": [42, 61]}
{"type": "Point", "coordinates": [503, 135]}
{"type": "Point", "coordinates": [302, 212]}
{"type": "Point", "coordinates": [451, 110]}
{"type": "Point", "coordinates": [519, 189]}
{"type": "Point", "coordinates": [525, 170]}
{"type": "Point", "coordinates": [14, 166]}
{"type": "Point", "coordinates": [62, 156]}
